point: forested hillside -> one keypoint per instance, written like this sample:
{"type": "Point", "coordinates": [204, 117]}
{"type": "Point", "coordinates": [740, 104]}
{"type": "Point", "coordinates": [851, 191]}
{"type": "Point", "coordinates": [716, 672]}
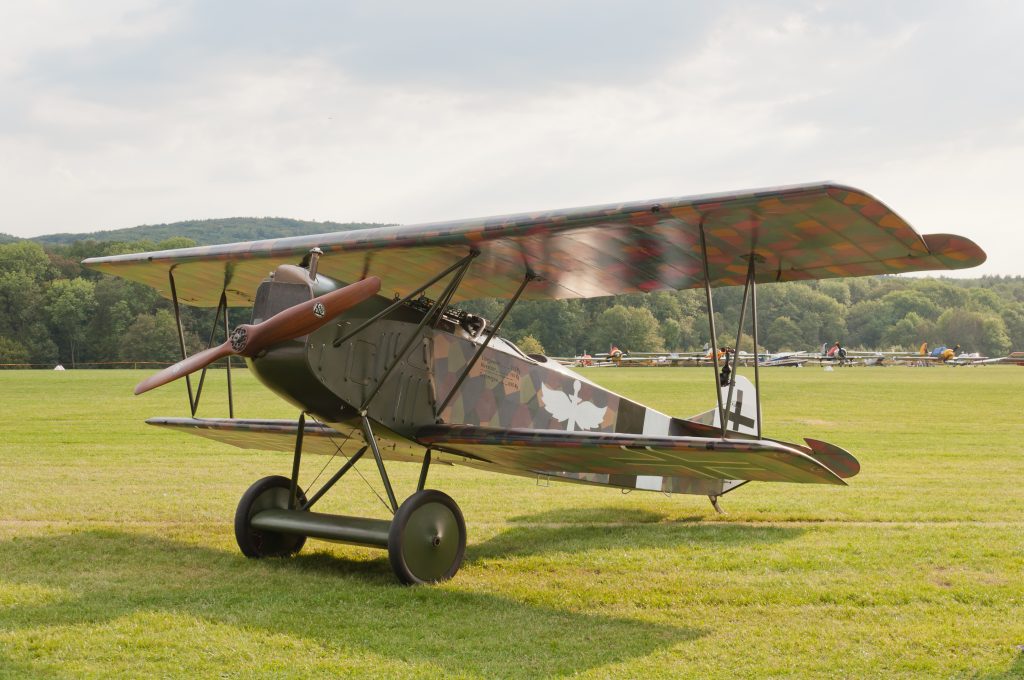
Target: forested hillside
{"type": "Point", "coordinates": [208, 232]}
{"type": "Point", "coordinates": [51, 309]}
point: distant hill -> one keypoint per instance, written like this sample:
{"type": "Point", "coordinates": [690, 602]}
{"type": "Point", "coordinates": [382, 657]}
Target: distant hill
{"type": "Point", "coordinates": [206, 232]}
{"type": "Point", "coordinates": [7, 238]}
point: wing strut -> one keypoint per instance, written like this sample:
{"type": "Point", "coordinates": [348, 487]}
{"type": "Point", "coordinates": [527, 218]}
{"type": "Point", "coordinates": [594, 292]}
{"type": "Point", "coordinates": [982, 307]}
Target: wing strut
{"type": "Point", "coordinates": [181, 337]}
{"type": "Point", "coordinates": [223, 304]}
{"type": "Point", "coordinates": [736, 352]}
{"type": "Point", "coordinates": [193, 400]}
{"type": "Point", "coordinates": [492, 331]}
{"type": "Point", "coordinates": [749, 289]}
{"type": "Point", "coordinates": [435, 313]}
{"type": "Point", "coordinates": [461, 263]}
{"type": "Point", "coordinates": [722, 416]}
{"type": "Point", "coordinates": [751, 274]}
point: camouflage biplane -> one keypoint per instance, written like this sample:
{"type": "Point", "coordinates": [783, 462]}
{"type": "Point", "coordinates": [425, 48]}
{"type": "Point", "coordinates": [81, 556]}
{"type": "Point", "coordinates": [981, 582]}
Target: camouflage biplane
{"type": "Point", "coordinates": [408, 376]}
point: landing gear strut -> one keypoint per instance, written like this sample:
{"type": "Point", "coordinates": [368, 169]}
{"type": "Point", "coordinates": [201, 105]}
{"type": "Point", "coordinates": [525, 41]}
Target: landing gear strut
{"type": "Point", "coordinates": [425, 540]}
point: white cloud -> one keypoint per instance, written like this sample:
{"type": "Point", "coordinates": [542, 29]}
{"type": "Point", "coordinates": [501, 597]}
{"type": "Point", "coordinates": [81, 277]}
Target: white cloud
{"type": "Point", "coordinates": [408, 115]}
{"type": "Point", "coordinates": [30, 30]}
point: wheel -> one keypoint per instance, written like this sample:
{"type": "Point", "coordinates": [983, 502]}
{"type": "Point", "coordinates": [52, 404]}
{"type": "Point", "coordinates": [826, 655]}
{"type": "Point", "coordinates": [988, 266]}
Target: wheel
{"type": "Point", "coordinates": [269, 492]}
{"type": "Point", "coordinates": [427, 540]}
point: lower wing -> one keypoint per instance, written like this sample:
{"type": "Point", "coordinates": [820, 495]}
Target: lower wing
{"type": "Point", "coordinates": [555, 451]}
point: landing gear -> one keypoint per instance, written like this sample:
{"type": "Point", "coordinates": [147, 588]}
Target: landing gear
{"type": "Point", "coordinates": [269, 493]}
{"type": "Point", "coordinates": [427, 539]}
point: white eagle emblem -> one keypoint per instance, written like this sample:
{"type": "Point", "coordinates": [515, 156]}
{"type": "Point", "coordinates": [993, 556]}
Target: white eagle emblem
{"type": "Point", "coordinates": [583, 415]}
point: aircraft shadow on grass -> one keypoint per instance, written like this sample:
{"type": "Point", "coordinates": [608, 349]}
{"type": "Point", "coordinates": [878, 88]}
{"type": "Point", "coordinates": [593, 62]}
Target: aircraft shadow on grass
{"type": "Point", "coordinates": [614, 528]}
{"type": "Point", "coordinates": [317, 597]}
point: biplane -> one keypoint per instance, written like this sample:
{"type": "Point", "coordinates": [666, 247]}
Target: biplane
{"type": "Point", "coordinates": [362, 333]}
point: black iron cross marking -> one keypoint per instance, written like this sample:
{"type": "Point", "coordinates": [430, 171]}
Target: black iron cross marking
{"type": "Point", "coordinates": [735, 416]}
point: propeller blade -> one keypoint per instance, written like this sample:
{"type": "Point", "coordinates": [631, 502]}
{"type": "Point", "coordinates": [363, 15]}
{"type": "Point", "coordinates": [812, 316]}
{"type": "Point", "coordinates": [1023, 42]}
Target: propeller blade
{"type": "Point", "coordinates": [249, 339]}
{"type": "Point", "coordinates": [305, 317]}
{"type": "Point", "coordinates": [188, 365]}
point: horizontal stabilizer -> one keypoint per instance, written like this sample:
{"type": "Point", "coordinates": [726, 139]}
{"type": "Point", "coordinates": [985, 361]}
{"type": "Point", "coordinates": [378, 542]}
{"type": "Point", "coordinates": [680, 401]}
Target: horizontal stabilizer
{"type": "Point", "coordinates": [839, 460]}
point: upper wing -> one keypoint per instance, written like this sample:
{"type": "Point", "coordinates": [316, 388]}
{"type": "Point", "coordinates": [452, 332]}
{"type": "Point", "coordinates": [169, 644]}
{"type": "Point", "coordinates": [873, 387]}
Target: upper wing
{"type": "Point", "coordinates": [800, 232]}
{"type": "Point", "coordinates": [554, 451]}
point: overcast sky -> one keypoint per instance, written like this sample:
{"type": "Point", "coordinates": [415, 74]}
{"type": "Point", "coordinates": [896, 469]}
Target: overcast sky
{"type": "Point", "coordinates": [115, 114]}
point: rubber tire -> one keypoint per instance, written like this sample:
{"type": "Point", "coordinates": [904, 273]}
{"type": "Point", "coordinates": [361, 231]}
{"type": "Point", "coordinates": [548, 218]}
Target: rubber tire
{"type": "Point", "coordinates": [269, 492]}
{"type": "Point", "coordinates": [421, 544]}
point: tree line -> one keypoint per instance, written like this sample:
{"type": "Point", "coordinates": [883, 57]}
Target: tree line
{"type": "Point", "coordinates": [53, 310]}
{"type": "Point", "coordinates": [885, 313]}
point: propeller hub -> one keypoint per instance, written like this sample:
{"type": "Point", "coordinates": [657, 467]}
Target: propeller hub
{"type": "Point", "coordinates": [239, 338]}
{"type": "Point", "coordinates": [288, 324]}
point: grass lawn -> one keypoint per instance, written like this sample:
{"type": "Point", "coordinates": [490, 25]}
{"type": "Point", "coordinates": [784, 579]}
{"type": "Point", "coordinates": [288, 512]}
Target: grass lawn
{"type": "Point", "coordinates": [117, 556]}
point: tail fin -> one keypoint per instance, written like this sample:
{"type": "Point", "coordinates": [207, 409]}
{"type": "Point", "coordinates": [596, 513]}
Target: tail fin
{"type": "Point", "coordinates": [924, 349]}
{"type": "Point", "coordinates": [742, 411]}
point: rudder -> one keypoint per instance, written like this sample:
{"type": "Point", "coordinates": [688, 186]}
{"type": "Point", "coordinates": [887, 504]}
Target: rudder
{"type": "Point", "coordinates": [742, 411]}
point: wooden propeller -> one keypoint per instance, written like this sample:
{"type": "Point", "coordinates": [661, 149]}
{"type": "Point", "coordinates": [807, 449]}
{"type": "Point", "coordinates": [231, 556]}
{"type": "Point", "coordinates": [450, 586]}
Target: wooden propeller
{"type": "Point", "coordinates": [248, 340]}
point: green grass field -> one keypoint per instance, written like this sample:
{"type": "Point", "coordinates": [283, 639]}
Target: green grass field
{"type": "Point", "coordinates": [117, 556]}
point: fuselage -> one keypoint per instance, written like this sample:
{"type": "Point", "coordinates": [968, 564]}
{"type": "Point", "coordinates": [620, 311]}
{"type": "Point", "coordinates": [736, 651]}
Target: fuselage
{"type": "Point", "coordinates": [504, 388]}
{"type": "Point", "coordinates": [441, 380]}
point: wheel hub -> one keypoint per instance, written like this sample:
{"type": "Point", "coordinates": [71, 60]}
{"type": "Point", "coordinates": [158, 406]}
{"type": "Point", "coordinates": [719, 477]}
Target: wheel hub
{"type": "Point", "coordinates": [427, 540]}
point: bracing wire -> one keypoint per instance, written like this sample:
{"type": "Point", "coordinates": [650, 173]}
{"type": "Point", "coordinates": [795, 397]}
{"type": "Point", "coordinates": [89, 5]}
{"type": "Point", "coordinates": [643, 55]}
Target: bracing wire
{"type": "Point", "coordinates": [337, 450]}
{"type": "Point", "coordinates": [354, 469]}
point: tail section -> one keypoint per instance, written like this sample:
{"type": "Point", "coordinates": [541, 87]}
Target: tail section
{"type": "Point", "coordinates": [742, 411]}
{"type": "Point", "coordinates": [837, 459]}
{"type": "Point", "coordinates": [743, 420]}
